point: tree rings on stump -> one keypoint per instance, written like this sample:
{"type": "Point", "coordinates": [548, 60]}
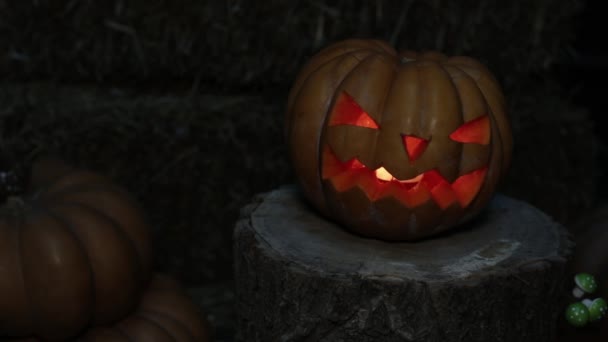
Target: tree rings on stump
{"type": "Point", "coordinates": [300, 277]}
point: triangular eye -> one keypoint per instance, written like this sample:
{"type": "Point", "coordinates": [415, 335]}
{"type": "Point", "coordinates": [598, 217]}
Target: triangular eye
{"type": "Point", "coordinates": [476, 131]}
{"type": "Point", "coordinates": [348, 112]}
{"type": "Point", "coordinates": [414, 146]}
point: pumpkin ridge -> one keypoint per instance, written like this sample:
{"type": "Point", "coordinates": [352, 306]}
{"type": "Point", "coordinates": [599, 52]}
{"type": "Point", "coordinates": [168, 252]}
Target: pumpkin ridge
{"type": "Point", "coordinates": [504, 126]}
{"type": "Point", "coordinates": [337, 49]}
{"type": "Point", "coordinates": [84, 250]}
{"type": "Point", "coordinates": [484, 74]}
{"type": "Point", "coordinates": [185, 328]}
{"type": "Point", "coordinates": [118, 229]}
{"type": "Point", "coordinates": [41, 213]}
{"type": "Point", "coordinates": [420, 102]}
{"type": "Point", "coordinates": [155, 323]}
{"type": "Point", "coordinates": [175, 301]}
{"type": "Point", "coordinates": [372, 58]}
{"type": "Point", "coordinates": [38, 188]}
{"type": "Point", "coordinates": [114, 191]}
{"type": "Point", "coordinates": [344, 48]}
{"type": "Point", "coordinates": [439, 103]}
{"type": "Point", "coordinates": [56, 185]}
{"type": "Point", "coordinates": [462, 118]}
{"type": "Point", "coordinates": [75, 190]}
{"type": "Point", "coordinates": [495, 139]}
{"type": "Point", "coordinates": [383, 105]}
{"type": "Point", "coordinates": [141, 266]}
{"type": "Point", "coordinates": [298, 87]}
{"type": "Point", "coordinates": [468, 62]}
{"type": "Point", "coordinates": [384, 46]}
{"type": "Point", "coordinates": [20, 258]}
{"type": "Point", "coordinates": [123, 332]}
{"type": "Point", "coordinates": [498, 141]}
{"type": "Point", "coordinates": [326, 118]}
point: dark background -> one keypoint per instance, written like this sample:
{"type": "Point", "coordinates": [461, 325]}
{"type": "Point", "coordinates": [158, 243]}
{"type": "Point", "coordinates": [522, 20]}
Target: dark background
{"type": "Point", "coordinates": [584, 73]}
{"type": "Point", "coordinates": [182, 102]}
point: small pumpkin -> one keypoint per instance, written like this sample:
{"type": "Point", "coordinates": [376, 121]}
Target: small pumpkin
{"type": "Point", "coordinates": [165, 313]}
{"type": "Point", "coordinates": [397, 146]}
{"type": "Point", "coordinates": [75, 250]}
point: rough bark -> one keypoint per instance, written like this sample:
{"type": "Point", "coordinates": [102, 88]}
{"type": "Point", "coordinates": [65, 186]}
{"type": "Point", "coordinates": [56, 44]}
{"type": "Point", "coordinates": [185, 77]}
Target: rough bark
{"type": "Point", "coordinates": [300, 277]}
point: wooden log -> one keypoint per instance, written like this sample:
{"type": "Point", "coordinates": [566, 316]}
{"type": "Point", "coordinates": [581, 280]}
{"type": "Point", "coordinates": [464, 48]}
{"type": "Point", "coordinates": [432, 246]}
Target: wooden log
{"type": "Point", "coordinates": [300, 277]}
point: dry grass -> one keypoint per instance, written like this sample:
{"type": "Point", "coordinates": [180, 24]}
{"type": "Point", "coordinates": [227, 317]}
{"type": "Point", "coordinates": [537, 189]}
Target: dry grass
{"type": "Point", "coordinates": [253, 44]}
{"type": "Point", "coordinates": [194, 157]}
{"type": "Point", "coordinates": [193, 161]}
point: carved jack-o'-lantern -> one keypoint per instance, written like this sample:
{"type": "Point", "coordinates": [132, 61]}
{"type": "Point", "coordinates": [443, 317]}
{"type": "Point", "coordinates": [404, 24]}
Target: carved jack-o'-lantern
{"type": "Point", "coordinates": [397, 146]}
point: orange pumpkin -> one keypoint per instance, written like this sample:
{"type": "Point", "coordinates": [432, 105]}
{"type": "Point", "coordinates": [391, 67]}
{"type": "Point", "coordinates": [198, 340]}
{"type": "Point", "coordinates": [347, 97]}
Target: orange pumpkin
{"type": "Point", "coordinates": [165, 314]}
{"type": "Point", "coordinates": [75, 250]}
{"type": "Point", "coordinates": [397, 146]}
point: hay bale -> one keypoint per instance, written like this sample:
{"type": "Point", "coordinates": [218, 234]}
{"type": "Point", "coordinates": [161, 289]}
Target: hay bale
{"type": "Point", "coordinates": [251, 44]}
{"type": "Point", "coordinates": [192, 161]}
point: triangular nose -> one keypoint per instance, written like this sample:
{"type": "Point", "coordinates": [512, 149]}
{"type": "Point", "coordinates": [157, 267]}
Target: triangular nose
{"type": "Point", "coordinates": [414, 146]}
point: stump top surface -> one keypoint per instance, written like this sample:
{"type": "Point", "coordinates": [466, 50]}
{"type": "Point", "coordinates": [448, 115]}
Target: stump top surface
{"type": "Point", "coordinates": [509, 233]}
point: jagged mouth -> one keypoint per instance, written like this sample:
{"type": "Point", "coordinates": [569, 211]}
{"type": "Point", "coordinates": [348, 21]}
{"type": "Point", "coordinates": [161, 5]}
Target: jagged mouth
{"type": "Point", "coordinates": [413, 192]}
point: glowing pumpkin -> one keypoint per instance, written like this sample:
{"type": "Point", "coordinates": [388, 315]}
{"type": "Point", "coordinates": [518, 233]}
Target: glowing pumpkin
{"type": "Point", "coordinates": [397, 146]}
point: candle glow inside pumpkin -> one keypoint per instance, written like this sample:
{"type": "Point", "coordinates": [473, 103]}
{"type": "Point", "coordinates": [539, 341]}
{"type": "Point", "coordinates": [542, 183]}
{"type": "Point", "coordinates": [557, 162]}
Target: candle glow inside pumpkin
{"type": "Point", "coordinates": [380, 183]}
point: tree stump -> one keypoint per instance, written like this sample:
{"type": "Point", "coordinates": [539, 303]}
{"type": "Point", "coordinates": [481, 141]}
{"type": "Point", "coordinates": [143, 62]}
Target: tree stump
{"type": "Point", "coordinates": [300, 277]}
